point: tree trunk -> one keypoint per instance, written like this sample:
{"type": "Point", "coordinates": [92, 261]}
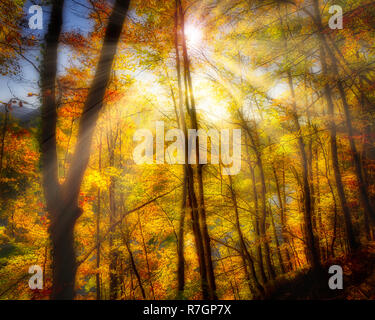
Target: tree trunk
{"type": "Point", "coordinates": [283, 221]}
{"type": "Point", "coordinates": [193, 206]}
{"type": "Point", "coordinates": [280, 258]}
{"type": "Point", "coordinates": [134, 268]}
{"type": "Point", "coordinates": [146, 257]}
{"type": "Point", "coordinates": [244, 251]}
{"type": "Point", "coordinates": [312, 252]}
{"type": "Point", "coordinates": [257, 229]}
{"type": "Point", "coordinates": [181, 243]}
{"type": "Point", "coordinates": [352, 241]}
{"type": "Point", "coordinates": [4, 131]}
{"type": "Point", "coordinates": [181, 125]}
{"type": "Point", "coordinates": [98, 213]}
{"type": "Point", "coordinates": [201, 205]}
{"type": "Point", "coordinates": [254, 145]}
{"type": "Point", "coordinates": [62, 200]}
{"type": "Point", "coordinates": [311, 248]}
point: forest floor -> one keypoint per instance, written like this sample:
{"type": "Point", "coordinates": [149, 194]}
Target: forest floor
{"type": "Point", "coordinates": [359, 280]}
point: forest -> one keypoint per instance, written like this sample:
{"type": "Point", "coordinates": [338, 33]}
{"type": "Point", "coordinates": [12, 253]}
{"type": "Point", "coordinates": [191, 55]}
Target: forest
{"type": "Point", "coordinates": [98, 98]}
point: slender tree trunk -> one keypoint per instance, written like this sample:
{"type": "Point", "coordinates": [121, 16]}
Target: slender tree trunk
{"type": "Point", "coordinates": [244, 251]}
{"type": "Point", "coordinates": [181, 125]}
{"type": "Point", "coordinates": [334, 226]}
{"type": "Point", "coordinates": [282, 220]}
{"type": "Point", "coordinates": [146, 256]}
{"type": "Point", "coordinates": [353, 243]}
{"type": "Point", "coordinates": [279, 256]}
{"type": "Point", "coordinates": [270, 267]}
{"type": "Point", "coordinates": [98, 293]}
{"type": "Point", "coordinates": [312, 251]}
{"type": "Point", "coordinates": [134, 268]}
{"type": "Point", "coordinates": [114, 255]}
{"type": "Point", "coordinates": [234, 291]}
{"type": "Point", "coordinates": [189, 174]}
{"type": "Point", "coordinates": [367, 154]}
{"type": "Point", "coordinates": [98, 296]}
{"type": "Point", "coordinates": [193, 203]}
{"type": "Point", "coordinates": [254, 145]}
{"type": "Point", "coordinates": [181, 243]}
{"type": "Point", "coordinates": [201, 203]}
{"type": "Point", "coordinates": [257, 229]}
{"type": "Point", "coordinates": [320, 226]}
{"type": "Point", "coordinates": [4, 131]}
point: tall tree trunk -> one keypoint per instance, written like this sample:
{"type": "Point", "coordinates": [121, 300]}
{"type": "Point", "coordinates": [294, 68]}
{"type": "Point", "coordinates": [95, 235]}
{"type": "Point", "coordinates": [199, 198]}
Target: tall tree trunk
{"type": "Point", "coordinates": [146, 257]}
{"type": "Point", "coordinates": [367, 154]}
{"type": "Point", "coordinates": [254, 144]}
{"type": "Point", "coordinates": [181, 125]}
{"type": "Point", "coordinates": [256, 226]}
{"type": "Point", "coordinates": [201, 205]}
{"type": "Point", "coordinates": [352, 241]}
{"type": "Point", "coordinates": [192, 204]}
{"type": "Point", "coordinates": [320, 226]}
{"type": "Point", "coordinates": [270, 267]}
{"type": "Point", "coordinates": [282, 220]}
{"type": "Point", "coordinates": [98, 213]}
{"type": "Point", "coordinates": [3, 134]}
{"type": "Point", "coordinates": [312, 251]}
{"type": "Point", "coordinates": [280, 258]}
{"type": "Point", "coordinates": [62, 200]}
{"type": "Point", "coordinates": [311, 247]}
{"type": "Point", "coordinates": [113, 272]}
{"type": "Point", "coordinates": [181, 243]}
{"type": "Point", "coordinates": [134, 268]}
{"type": "Point", "coordinates": [113, 251]}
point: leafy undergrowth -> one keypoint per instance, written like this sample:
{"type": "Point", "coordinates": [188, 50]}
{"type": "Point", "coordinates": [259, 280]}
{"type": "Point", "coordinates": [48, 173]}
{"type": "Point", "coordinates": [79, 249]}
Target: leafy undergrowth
{"type": "Point", "coordinates": [359, 280]}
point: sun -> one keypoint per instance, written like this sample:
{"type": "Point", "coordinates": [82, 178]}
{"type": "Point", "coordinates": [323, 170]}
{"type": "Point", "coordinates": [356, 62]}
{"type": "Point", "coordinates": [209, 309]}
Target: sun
{"type": "Point", "coordinates": [193, 34]}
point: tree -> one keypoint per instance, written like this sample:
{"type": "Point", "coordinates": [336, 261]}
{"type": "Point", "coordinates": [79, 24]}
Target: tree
{"type": "Point", "coordinates": [62, 199]}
